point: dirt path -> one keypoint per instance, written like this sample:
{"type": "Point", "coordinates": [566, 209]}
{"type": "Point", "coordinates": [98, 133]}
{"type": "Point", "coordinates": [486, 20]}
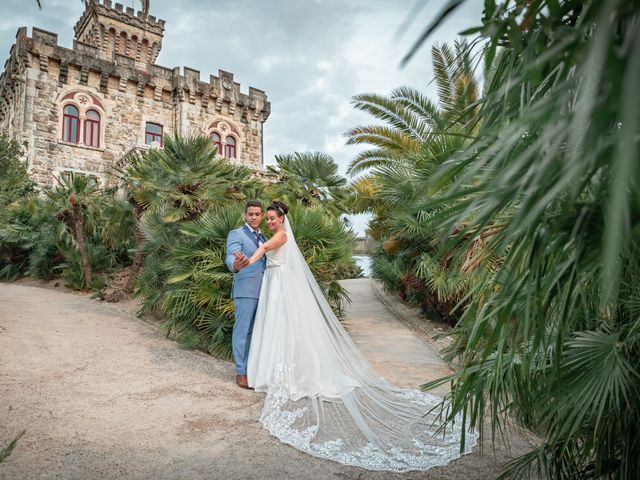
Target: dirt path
{"type": "Point", "coordinates": [104, 395]}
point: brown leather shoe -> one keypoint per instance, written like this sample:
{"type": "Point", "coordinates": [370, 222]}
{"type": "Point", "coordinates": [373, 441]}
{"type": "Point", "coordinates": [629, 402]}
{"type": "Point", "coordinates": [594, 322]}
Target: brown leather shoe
{"type": "Point", "coordinates": [241, 381]}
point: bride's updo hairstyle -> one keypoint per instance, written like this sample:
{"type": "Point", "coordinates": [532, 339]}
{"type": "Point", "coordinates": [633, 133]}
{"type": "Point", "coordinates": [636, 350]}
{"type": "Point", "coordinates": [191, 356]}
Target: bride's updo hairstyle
{"type": "Point", "coordinates": [279, 207]}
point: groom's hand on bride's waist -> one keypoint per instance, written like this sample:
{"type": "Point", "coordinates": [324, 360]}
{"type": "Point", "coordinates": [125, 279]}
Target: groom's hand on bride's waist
{"type": "Point", "coordinates": [240, 261]}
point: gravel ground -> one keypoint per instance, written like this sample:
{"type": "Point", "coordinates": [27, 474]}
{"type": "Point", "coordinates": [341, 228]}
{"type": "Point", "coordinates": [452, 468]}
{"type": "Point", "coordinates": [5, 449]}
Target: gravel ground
{"type": "Point", "coordinates": [104, 395]}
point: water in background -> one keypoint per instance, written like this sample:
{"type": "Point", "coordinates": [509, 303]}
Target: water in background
{"type": "Point", "coordinates": [364, 262]}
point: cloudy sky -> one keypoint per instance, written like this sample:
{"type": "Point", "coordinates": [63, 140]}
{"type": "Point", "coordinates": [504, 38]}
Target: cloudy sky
{"type": "Point", "coordinates": [309, 56]}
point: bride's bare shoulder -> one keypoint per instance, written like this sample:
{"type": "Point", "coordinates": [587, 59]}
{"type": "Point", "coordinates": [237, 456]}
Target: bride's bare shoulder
{"type": "Point", "coordinates": [278, 239]}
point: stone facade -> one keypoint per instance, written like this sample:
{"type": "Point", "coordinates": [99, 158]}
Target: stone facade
{"type": "Point", "coordinates": [110, 74]}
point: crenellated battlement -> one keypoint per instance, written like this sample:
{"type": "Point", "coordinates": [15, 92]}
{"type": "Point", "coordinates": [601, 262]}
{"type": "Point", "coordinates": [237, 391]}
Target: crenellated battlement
{"type": "Point", "coordinates": [81, 109]}
{"type": "Point", "coordinates": [42, 51]}
{"type": "Point", "coordinates": [114, 29]}
{"type": "Point", "coordinates": [118, 12]}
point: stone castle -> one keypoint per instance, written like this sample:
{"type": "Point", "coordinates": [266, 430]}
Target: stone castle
{"type": "Point", "coordinates": [83, 110]}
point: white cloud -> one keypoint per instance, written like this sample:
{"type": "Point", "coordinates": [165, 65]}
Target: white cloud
{"type": "Point", "coordinates": [324, 66]}
{"type": "Point", "coordinates": [333, 144]}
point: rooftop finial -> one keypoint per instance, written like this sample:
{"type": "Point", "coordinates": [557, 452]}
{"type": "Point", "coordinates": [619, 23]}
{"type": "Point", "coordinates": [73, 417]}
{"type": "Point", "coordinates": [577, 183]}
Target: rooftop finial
{"type": "Point", "coordinates": [145, 7]}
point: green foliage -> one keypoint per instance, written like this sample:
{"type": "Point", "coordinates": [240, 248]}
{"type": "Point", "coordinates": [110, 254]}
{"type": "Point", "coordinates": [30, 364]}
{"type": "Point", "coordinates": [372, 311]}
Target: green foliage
{"type": "Point", "coordinates": [15, 182]}
{"type": "Point", "coordinates": [186, 176]}
{"type": "Point", "coordinates": [6, 451]}
{"type": "Point", "coordinates": [31, 239]}
{"type": "Point", "coordinates": [190, 201]}
{"type": "Point", "coordinates": [542, 208]}
{"type": "Point", "coordinates": [101, 259]}
{"type": "Point", "coordinates": [36, 238]}
{"type": "Point", "coordinates": [418, 136]}
{"type": "Point", "coordinates": [520, 213]}
{"type": "Point", "coordinates": [185, 278]}
{"type": "Point", "coordinates": [310, 178]}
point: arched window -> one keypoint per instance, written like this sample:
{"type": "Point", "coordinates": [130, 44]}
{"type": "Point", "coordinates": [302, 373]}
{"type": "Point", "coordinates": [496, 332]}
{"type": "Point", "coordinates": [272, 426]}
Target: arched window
{"type": "Point", "coordinates": [217, 141]}
{"type": "Point", "coordinates": [123, 43]}
{"type": "Point", "coordinates": [111, 40]}
{"type": "Point", "coordinates": [70, 124]}
{"type": "Point", "coordinates": [144, 51]}
{"type": "Point", "coordinates": [92, 129]}
{"type": "Point", "coordinates": [230, 150]}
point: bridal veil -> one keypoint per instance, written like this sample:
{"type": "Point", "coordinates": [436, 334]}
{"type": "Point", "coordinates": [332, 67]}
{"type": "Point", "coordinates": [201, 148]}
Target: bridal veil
{"type": "Point", "coordinates": [324, 398]}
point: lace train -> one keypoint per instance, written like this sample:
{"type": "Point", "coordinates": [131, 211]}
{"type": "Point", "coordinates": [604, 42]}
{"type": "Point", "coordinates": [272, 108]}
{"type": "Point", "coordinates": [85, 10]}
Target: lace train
{"type": "Point", "coordinates": [309, 424]}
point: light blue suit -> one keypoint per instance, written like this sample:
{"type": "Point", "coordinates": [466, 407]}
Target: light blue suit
{"type": "Point", "coordinates": [245, 292]}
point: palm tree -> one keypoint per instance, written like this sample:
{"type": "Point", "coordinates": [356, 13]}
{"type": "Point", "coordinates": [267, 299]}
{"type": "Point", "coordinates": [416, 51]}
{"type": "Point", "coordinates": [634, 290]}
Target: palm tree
{"type": "Point", "coordinates": [551, 333]}
{"type": "Point", "coordinates": [190, 200]}
{"type": "Point", "coordinates": [32, 241]}
{"type": "Point", "coordinates": [180, 180]}
{"type": "Point", "coordinates": [417, 136]}
{"type": "Point", "coordinates": [74, 195]}
{"type": "Point", "coordinates": [185, 201]}
{"type": "Point", "coordinates": [185, 278]}
{"type": "Point", "coordinates": [177, 183]}
{"type": "Point", "coordinates": [416, 126]}
{"type": "Point", "coordinates": [310, 178]}
{"type": "Point", "coordinates": [75, 229]}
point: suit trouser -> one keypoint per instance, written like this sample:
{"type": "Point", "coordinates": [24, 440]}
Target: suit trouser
{"type": "Point", "coordinates": [242, 328]}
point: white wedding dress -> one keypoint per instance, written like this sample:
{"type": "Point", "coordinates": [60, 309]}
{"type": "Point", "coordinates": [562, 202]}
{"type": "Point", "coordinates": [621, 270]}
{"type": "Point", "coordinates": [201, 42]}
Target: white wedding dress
{"type": "Point", "coordinates": [323, 397]}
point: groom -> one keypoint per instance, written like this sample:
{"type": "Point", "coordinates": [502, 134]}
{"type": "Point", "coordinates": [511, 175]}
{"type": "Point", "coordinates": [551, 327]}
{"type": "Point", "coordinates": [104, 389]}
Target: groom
{"type": "Point", "coordinates": [247, 280]}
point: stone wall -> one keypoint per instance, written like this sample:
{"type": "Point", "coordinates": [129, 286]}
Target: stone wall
{"type": "Point", "coordinates": [40, 76]}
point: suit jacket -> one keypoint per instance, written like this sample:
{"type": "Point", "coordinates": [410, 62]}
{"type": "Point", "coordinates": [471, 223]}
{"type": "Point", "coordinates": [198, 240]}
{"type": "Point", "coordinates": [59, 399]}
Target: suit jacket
{"type": "Point", "coordinates": [246, 282]}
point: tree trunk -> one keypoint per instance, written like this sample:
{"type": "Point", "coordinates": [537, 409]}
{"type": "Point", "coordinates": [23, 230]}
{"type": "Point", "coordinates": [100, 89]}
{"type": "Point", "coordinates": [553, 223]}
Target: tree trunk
{"type": "Point", "coordinates": [138, 260]}
{"type": "Point", "coordinates": [78, 226]}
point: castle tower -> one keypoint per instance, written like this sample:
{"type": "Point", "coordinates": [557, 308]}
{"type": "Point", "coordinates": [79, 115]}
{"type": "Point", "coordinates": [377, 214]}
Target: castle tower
{"type": "Point", "coordinates": [114, 29]}
{"type": "Point", "coordinates": [83, 110]}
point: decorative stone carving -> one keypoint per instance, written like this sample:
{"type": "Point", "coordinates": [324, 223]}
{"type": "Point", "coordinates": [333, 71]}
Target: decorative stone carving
{"type": "Point", "coordinates": [104, 82]}
{"type": "Point", "coordinates": [64, 70]}
{"type": "Point", "coordinates": [84, 75]}
{"type": "Point", "coordinates": [44, 63]}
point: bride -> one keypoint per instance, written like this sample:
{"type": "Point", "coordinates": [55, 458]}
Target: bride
{"type": "Point", "coordinates": [322, 396]}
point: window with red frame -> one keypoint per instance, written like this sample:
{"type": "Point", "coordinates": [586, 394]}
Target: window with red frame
{"type": "Point", "coordinates": [153, 133]}
{"type": "Point", "coordinates": [92, 129]}
{"type": "Point", "coordinates": [217, 141]}
{"type": "Point", "coordinates": [70, 124]}
{"type": "Point", "coordinates": [230, 149]}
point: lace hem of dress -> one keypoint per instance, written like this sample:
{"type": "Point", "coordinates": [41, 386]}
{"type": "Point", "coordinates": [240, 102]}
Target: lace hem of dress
{"type": "Point", "coordinates": [280, 421]}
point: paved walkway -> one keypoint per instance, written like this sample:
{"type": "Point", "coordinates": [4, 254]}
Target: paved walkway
{"type": "Point", "coordinates": [104, 395]}
{"type": "Point", "coordinates": [394, 350]}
